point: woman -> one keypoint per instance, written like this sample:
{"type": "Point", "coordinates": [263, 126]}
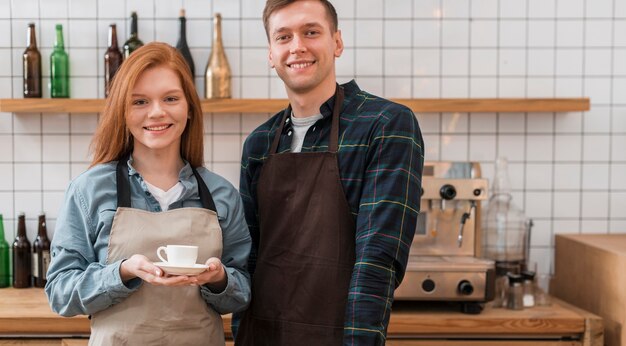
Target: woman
{"type": "Point", "coordinates": [146, 188]}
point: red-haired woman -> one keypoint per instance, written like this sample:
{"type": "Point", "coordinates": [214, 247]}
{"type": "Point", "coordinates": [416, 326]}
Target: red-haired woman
{"type": "Point", "coordinates": [147, 187]}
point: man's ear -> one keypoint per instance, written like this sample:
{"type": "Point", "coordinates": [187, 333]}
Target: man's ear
{"type": "Point", "coordinates": [269, 57]}
{"type": "Point", "coordinates": [338, 43]}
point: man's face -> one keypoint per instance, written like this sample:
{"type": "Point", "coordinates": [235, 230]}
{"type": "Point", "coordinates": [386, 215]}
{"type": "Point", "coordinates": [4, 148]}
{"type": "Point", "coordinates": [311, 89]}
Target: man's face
{"type": "Point", "coordinates": [303, 46]}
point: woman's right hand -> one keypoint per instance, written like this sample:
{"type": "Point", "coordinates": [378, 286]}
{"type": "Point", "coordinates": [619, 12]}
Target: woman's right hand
{"type": "Point", "coordinates": [140, 266]}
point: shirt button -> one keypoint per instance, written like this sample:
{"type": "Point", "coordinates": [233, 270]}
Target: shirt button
{"type": "Point", "coordinates": [289, 133]}
{"type": "Point", "coordinates": [314, 128]}
{"type": "Point", "coordinates": [287, 120]}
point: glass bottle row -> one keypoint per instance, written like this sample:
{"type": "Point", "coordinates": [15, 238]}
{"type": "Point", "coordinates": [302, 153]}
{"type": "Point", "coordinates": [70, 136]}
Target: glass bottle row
{"type": "Point", "coordinates": [217, 73]}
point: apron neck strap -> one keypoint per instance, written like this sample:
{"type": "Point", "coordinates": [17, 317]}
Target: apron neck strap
{"type": "Point", "coordinates": [123, 184]}
{"type": "Point", "coordinates": [203, 191]}
{"type": "Point", "coordinates": [123, 187]}
{"type": "Point", "coordinates": [334, 132]}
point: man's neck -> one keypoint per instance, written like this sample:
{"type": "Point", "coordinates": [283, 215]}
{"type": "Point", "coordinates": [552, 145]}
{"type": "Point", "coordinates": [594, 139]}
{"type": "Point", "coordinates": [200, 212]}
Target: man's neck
{"type": "Point", "coordinates": [307, 104]}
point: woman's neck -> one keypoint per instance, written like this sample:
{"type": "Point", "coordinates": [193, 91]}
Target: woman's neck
{"type": "Point", "coordinates": [160, 169]}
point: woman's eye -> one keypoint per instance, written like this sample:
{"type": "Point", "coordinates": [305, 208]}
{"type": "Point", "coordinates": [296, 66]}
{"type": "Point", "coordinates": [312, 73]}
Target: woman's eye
{"type": "Point", "coordinates": [139, 102]}
{"type": "Point", "coordinates": [171, 99]}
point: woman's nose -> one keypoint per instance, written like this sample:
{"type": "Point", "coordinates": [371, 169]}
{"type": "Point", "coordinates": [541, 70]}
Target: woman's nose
{"type": "Point", "coordinates": [156, 110]}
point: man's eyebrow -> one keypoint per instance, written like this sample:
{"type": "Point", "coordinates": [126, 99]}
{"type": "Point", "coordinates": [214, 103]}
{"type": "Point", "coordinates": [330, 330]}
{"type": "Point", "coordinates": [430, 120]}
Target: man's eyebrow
{"type": "Point", "coordinates": [306, 25]}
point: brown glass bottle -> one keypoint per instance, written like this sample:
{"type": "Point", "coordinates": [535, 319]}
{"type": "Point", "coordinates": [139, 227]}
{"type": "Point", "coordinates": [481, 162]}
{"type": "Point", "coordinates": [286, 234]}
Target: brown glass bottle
{"type": "Point", "coordinates": [113, 59]}
{"type": "Point", "coordinates": [21, 256]}
{"type": "Point", "coordinates": [41, 253]}
{"type": "Point", "coordinates": [31, 63]}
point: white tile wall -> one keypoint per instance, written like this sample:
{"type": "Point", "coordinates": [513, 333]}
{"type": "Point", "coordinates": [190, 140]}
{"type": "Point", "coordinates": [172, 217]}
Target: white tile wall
{"type": "Point", "coordinates": [568, 170]}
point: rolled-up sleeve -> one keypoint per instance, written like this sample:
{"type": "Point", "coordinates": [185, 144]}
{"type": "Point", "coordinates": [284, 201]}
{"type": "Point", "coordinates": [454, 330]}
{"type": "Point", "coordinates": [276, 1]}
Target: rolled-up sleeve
{"type": "Point", "coordinates": [236, 248]}
{"type": "Point", "coordinates": [78, 283]}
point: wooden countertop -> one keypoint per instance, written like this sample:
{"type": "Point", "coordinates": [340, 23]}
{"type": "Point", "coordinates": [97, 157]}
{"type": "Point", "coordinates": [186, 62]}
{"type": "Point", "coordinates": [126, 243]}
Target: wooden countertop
{"type": "Point", "coordinates": [26, 312]}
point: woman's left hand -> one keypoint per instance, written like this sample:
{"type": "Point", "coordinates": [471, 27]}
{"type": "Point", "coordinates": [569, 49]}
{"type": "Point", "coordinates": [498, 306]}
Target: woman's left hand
{"type": "Point", "coordinates": [214, 277]}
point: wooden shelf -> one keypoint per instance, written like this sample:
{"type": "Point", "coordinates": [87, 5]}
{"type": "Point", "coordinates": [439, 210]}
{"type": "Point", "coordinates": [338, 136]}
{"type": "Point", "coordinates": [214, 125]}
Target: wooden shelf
{"type": "Point", "coordinates": [507, 105]}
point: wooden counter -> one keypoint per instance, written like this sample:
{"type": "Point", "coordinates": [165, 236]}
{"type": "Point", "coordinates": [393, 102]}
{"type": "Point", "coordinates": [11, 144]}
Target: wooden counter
{"type": "Point", "coordinates": [25, 313]}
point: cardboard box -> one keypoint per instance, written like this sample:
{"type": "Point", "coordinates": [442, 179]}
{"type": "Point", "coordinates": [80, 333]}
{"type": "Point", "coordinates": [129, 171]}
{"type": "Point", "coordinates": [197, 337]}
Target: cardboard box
{"type": "Point", "coordinates": [590, 272]}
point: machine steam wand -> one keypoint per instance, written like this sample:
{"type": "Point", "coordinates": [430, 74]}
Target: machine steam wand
{"type": "Point", "coordinates": [464, 218]}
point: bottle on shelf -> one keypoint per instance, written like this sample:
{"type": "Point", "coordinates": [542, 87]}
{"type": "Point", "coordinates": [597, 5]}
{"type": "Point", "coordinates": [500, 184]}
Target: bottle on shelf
{"type": "Point", "coordinates": [217, 76]}
{"type": "Point", "coordinates": [113, 59]}
{"type": "Point", "coordinates": [59, 67]}
{"type": "Point", "coordinates": [182, 46]}
{"type": "Point", "coordinates": [21, 256]}
{"type": "Point", "coordinates": [5, 266]}
{"type": "Point", "coordinates": [133, 41]}
{"type": "Point", "coordinates": [41, 253]}
{"type": "Point", "coordinates": [31, 64]}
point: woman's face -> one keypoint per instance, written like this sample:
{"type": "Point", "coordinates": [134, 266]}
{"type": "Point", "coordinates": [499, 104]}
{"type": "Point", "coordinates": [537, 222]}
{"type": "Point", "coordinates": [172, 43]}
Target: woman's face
{"type": "Point", "coordinates": [158, 112]}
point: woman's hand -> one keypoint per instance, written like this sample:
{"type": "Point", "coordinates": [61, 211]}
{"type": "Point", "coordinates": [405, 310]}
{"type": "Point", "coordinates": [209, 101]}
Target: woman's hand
{"type": "Point", "coordinates": [214, 277]}
{"type": "Point", "coordinates": [140, 266]}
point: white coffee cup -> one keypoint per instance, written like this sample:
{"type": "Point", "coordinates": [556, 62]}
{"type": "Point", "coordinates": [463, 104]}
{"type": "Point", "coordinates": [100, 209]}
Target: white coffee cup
{"type": "Point", "coordinates": [179, 255]}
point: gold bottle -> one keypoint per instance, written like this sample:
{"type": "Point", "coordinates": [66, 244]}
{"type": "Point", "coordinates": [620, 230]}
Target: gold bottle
{"type": "Point", "coordinates": [217, 76]}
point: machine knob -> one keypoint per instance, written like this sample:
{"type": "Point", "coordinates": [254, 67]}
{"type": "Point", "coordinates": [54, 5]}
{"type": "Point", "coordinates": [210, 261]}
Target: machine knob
{"type": "Point", "coordinates": [465, 288]}
{"type": "Point", "coordinates": [428, 285]}
{"type": "Point", "coordinates": [447, 192]}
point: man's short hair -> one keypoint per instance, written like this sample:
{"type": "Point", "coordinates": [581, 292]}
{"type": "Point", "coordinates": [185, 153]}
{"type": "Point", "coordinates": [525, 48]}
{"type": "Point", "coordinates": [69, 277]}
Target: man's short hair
{"type": "Point", "coordinates": [272, 6]}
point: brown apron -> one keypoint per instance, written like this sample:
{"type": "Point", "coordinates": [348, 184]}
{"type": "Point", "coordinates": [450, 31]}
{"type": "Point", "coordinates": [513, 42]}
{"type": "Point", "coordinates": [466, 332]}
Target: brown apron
{"type": "Point", "coordinates": [158, 315]}
{"type": "Point", "coordinates": [306, 248]}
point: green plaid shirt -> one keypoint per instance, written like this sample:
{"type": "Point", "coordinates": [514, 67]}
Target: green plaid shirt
{"type": "Point", "coordinates": [381, 157]}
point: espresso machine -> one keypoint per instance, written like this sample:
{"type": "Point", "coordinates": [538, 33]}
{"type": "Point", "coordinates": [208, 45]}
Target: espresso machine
{"type": "Point", "coordinates": [444, 261]}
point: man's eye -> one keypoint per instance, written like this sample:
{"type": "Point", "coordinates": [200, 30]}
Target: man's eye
{"type": "Point", "coordinates": [312, 32]}
{"type": "Point", "coordinates": [282, 37]}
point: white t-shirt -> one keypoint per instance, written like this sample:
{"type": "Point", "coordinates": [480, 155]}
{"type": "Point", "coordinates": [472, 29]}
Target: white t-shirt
{"type": "Point", "coordinates": [300, 127]}
{"type": "Point", "coordinates": [165, 198]}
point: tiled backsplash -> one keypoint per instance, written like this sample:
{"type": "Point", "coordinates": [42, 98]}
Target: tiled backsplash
{"type": "Point", "coordinates": [568, 169]}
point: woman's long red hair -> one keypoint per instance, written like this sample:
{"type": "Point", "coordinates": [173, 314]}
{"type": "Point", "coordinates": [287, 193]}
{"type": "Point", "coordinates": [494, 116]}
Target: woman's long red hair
{"type": "Point", "coordinates": [113, 140]}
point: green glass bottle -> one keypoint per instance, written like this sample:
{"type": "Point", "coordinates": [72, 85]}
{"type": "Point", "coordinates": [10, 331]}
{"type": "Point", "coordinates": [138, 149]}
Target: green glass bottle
{"type": "Point", "coordinates": [133, 41]}
{"type": "Point", "coordinates": [59, 67]}
{"type": "Point", "coordinates": [5, 271]}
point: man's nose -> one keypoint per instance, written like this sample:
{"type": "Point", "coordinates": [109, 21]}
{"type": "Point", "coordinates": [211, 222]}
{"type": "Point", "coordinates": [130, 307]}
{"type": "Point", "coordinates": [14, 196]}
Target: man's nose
{"type": "Point", "coordinates": [297, 45]}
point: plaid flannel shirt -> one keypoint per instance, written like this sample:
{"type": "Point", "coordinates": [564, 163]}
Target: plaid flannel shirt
{"type": "Point", "coordinates": [381, 157]}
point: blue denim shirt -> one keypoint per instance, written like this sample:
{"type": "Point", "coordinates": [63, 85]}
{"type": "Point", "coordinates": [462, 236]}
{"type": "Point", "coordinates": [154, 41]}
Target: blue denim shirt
{"type": "Point", "coordinates": [79, 279]}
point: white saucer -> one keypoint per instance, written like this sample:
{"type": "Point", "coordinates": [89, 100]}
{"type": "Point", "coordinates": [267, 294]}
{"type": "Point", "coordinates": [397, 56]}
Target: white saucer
{"type": "Point", "coordinates": [176, 270]}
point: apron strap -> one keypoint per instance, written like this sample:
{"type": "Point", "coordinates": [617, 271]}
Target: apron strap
{"type": "Point", "coordinates": [286, 113]}
{"type": "Point", "coordinates": [205, 195]}
{"type": "Point", "coordinates": [334, 132]}
{"type": "Point", "coordinates": [123, 187]}
{"type": "Point", "coordinates": [123, 184]}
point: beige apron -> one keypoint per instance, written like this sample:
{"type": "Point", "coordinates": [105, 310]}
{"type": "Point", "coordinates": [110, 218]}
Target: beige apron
{"type": "Point", "coordinates": [158, 315]}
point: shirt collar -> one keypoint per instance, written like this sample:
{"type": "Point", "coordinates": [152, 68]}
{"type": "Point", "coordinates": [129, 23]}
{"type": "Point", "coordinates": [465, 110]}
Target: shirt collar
{"type": "Point", "coordinates": [184, 174]}
{"type": "Point", "coordinates": [326, 109]}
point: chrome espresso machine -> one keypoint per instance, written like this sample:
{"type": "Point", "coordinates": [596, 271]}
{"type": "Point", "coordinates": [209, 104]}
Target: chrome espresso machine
{"type": "Point", "coordinates": [444, 261]}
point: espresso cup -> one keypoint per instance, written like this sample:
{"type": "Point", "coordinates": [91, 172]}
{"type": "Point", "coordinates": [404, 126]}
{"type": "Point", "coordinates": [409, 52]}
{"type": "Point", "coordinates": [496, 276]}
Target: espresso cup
{"type": "Point", "coordinates": [179, 255]}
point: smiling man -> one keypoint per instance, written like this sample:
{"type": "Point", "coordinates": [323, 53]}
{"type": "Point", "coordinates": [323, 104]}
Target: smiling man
{"type": "Point", "coordinates": [331, 194]}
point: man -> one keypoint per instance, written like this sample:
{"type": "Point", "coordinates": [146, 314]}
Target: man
{"type": "Point", "coordinates": [331, 194]}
